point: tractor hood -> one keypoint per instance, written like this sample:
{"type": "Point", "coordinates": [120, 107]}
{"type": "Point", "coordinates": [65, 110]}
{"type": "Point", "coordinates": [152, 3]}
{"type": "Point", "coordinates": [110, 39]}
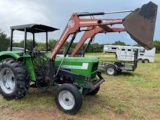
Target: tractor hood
{"type": "Point", "coordinates": [140, 24]}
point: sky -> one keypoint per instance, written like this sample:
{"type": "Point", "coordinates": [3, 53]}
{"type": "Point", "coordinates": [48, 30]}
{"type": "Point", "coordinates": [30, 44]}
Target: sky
{"type": "Point", "coordinates": [56, 13]}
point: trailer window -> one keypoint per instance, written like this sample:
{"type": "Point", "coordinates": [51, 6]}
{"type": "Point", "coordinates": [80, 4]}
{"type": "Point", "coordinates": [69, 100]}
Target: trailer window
{"type": "Point", "coordinates": [141, 50]}
{"type": "Point", "coordinates": [114, 48]}
{"type": "Point", "coordinates": [123, 49]}
{"type": "Point", "coordinates": [129, 49]}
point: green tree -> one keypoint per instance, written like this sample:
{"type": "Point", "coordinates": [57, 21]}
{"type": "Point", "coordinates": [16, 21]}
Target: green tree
{"type": "Point", "coordinates": [29, 44]}
{"type": "Point", "coordinates": [16, 44]}
{"type": "Point", "coordinates": [40, 46]}
{"type": "Point", "coordinates": [118, 43]}
{"type": "Point", "coordinates": [52, 43]}
{"type": "Point", "coordinates": [156, 44]}
{"type": "Point", "coordinates": [95, 47]}
{"type": "Point", "coordinates": [4, 41]}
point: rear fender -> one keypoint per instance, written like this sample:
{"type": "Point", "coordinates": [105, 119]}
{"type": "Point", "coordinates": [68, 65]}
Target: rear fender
{"type": "Point", "coordinates": [26, 59]}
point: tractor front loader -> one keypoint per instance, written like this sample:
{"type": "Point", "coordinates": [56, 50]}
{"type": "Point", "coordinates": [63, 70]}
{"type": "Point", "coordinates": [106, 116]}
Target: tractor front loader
{"type": "Point", "coordinates": [140, 26]}
{"type": "Point", "coordinates": [73, 76]}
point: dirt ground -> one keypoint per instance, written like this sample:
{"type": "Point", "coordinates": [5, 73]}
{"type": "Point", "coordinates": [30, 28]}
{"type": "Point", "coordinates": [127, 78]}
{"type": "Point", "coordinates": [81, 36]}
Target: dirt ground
{"type": "Point", "coordinates": [8, 114]}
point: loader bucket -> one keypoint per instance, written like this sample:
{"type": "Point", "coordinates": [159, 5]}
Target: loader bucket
{"type": "Point", "coordinates": [140, 24]}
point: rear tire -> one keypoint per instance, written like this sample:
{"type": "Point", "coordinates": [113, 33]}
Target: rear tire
{"type": "Point", "coordinates": [145, 61]}
{"type": "Point", "coordinates": [68, 98]}
{"type": "Point", "coordinates": [111, 70]}
{"type": "Point", "coordinates": [139, 60]}
{"type": "Point", "coordinates": [14, 81]}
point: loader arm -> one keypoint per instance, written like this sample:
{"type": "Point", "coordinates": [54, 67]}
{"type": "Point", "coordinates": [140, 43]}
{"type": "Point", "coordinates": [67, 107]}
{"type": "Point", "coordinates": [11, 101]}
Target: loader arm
{"type": "Point", "coordinates": [76, 23]}
{"type": "Point", "coordinates": [92, 33]}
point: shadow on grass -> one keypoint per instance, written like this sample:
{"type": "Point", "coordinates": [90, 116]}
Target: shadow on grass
{"type": "Point", "coordinates": [100, 104]}
{"type": "Point", "coordinates": [39, 92]}
{"type": "Point", "coordinates": [126, 74]}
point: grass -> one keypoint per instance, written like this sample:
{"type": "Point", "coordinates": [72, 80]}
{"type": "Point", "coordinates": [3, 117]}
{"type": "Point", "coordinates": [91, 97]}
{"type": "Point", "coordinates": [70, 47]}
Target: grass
{"type": "Point", "coordinates": [127, 96]}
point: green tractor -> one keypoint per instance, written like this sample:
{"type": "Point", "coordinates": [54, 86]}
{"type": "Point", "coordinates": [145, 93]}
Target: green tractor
{"type": "Point", "coordinates": [19, 67]}
{"type": "Point", "coordinates": [73, 76]}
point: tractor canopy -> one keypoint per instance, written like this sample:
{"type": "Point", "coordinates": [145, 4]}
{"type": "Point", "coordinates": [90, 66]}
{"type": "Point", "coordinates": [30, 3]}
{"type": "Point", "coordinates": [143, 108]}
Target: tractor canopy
{"type": "Point", "coordinates": [34, 28]}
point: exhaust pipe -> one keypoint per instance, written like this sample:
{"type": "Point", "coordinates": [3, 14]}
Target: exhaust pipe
{"type": "Point", "coordinates": [140, 24]}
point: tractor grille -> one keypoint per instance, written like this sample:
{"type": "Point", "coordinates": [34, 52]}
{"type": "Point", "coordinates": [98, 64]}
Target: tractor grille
{"type": "Point", "coordinates": [94, 70]}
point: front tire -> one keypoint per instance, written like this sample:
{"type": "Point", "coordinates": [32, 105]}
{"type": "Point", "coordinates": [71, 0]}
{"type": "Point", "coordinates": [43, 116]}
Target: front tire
{"type": "Point", "coordinates": [14, 81]}
{"type": "Point", "coordinates": [68, 98]}
{"type": "Point", "coordinates": [94, 92]}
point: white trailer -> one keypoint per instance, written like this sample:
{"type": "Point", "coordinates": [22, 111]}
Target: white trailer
{"type": "Point", "coordinates": [126, 53]}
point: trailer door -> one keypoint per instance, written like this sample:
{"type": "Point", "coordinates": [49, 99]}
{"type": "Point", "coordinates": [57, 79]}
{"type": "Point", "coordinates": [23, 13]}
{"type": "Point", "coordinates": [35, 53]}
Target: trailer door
{"type": "Point", "coordinates": [125, 54]}
{"type": "Point", "coordinates": [121, 53]}
{"type": "Point", "coordinates": [129, 54]}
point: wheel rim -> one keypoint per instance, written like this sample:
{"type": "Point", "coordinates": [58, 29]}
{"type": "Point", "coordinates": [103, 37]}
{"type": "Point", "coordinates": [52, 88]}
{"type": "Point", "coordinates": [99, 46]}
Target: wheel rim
{"type": "Point", "coordinates": [7, 80]}
{"type": "Point", "coordinates": [66, 100]}
{"type": "Point", "coordinates": [110, 71]}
